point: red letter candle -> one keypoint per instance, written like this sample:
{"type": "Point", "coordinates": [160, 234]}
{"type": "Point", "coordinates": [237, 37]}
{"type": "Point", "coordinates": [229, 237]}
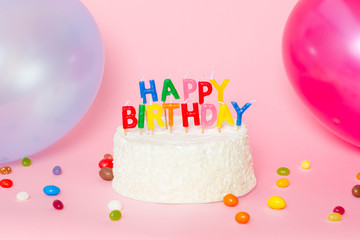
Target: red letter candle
{"type": "Point", "coordinates": [128, 113]}
{"type": "Point", "coordinates": [186, 114]}
{"type": "Point", "coordinates": [202, 92]}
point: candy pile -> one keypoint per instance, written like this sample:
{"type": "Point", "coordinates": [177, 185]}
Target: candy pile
{"type": "Point", "coordinates": [5, 183]}
{"type": "Point", "coordinates": [106, 166]}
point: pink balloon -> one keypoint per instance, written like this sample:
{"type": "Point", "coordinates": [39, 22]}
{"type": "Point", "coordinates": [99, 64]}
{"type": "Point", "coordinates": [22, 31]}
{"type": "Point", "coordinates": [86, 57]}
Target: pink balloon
{"type": "Point", "coordinates": [321, 53]}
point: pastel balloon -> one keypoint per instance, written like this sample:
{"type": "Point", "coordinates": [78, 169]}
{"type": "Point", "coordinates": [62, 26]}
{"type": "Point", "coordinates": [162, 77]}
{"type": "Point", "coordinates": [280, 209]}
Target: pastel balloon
{"type": "Point", "coordinates": [321, 53]}
{"type": "Point", "coordinates": [51, 66]}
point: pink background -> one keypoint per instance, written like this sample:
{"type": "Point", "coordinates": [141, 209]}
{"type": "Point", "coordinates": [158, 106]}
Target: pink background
{"type": "Point", "coordinates": [239, 40]}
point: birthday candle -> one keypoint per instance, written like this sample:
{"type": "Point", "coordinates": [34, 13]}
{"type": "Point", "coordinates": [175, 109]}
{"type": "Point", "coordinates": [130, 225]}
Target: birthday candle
{"type": "Point", "coordinates": [171, 107]}
{"type": "Point", "coordinates": [186, 114]}
{"type": "Point", "coordinates": [187, 90]}
{"type": "Point", "coordinates": [144, 91]}
{"type": "Point", "coordinates": [166, 92]}
{"type": "Point", "coordinates": [141, 118]}
{"type": "Point", "coordinates": [202, 92]}
{"type": "Point", "coordinates": [128, 113]}
{"type": "Point", "coordinates": [224, 115]}
{"type": "Point", "coordinates": [152, 117]}
{"type": "Point", "coordinates": [208, 122]}
{"type": "Point", "coordinates": [240, 111]}
{"type": "Point", "coordinates": [220, 88]}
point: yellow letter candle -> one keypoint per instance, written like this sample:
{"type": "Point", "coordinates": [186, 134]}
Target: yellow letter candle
{"type": "Point", "coordinates": [152, 116]}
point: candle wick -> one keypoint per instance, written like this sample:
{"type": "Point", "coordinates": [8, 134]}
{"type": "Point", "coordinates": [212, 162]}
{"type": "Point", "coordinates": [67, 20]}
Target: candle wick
{"type": "Point", "coordinates": [212, 75]}
{"type": "Point", "coordinates": [169, 76]}
{"type": "Point", "coordinates": [142, 79]}
{"type": "Point", "coordinates": [186, 100]}
{"type": "Point", "coordinates": [221, 102]}
{"type": "Point", "coordinates": [252, 101]}
{"type": "Point", "coordinates": [127, 102]}
{"type": "Point", "coordinates": [185, 76]}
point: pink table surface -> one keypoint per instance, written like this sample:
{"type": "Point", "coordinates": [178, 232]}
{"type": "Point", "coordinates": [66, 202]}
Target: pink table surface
{"type": "Point", "coordinates": [240, 40]}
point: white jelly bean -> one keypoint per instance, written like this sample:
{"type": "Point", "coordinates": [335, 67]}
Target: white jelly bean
{"type": "Point", "coordinates": [114, 205]}
{"type": "Point", "coordinates": [22, 196]}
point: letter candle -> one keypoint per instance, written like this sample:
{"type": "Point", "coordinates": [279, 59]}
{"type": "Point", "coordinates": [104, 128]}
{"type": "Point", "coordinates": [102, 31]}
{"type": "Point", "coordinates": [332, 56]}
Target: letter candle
{"type": "Point", "coordinates": [152, 117]}
{"type": "Point", "coordinates": [187, 90]}
{"type": "Point", "coordinates": [220, 88]}
{"type": "Point", "coordinates": [204, 121]}
{"type": "Point", "coordinates": [224, 115]}
{"type": "Point", "coordinates": [240, 111]}
{"type": "Point", "coordinates": [186, 114]}
{"type": "Point", "coordinates": [166, 92]}
{"type": "Point", "coordinates": [128, 113]}
{"type": "Point", "coordinates": [202, 92]}
{"type": "Point", "coordinates": [171, 107]}
{"type": "Point", "coordinates": [151, 90]}
{"type": "Point", "coordinates": [141, 117]}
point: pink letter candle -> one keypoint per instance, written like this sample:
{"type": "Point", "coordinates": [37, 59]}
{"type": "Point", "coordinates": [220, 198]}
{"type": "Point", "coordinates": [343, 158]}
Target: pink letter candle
{"type": "Point", "coordinates": [204, 121]}
{"type": "Point", "coordinates": [187, 90]}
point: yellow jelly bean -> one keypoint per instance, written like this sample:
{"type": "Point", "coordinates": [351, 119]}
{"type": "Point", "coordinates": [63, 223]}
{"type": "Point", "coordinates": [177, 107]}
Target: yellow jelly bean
{"type": "Point", "coordinates": [305, 164]}
{"type": "Point", "coordinates": [282, 182]}
{"type": "Point", "coordinates": [334, 217]}
{"type": "Point", "coordinates": [276, 202]}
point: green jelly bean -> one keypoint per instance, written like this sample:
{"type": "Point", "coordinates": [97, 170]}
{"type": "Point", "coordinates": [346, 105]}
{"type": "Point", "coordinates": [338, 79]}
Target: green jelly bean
{"type": "Point", "coordinates": [115, 215]}
{"type": "Point", "coordinates": [26, 162]}
{"type": "Point", "coordinates": [283, 171]}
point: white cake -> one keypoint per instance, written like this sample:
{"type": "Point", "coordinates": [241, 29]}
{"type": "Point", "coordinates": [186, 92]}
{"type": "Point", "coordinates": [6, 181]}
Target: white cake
{"type": "Point", "coordinates": [181, 167]}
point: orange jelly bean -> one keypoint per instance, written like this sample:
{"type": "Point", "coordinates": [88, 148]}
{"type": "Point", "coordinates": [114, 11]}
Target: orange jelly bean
{"type": "Point", "coordinates": [5, 170]}
{"type": "Point", "coordinates": [242, 217]}
{"type": "Point", "coordinates": [230, 200]}
{"type": "Point", "coordinates": [358, 176]}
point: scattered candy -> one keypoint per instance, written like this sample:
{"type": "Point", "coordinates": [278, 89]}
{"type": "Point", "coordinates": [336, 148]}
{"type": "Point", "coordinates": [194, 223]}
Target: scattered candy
{"type": "Point", "coordinates": [51, 190]}
{"type": "Point", "coordinates": [339, 209]}
{"type": "Point", "coordinates": [5, 170]}
{"type": "Point", "coordinates": [106, 174]}
{"type": "Point", "coordinates": [58, 204]}
{"type": "Point", "coordinates": [26, 162]}
{"type": "Point", "coordinates": [108, 155]}
{"type": "Point", "coordinates": [305, 164]}
{"type": "Point", "coordinates": [114, 205]}
{"type": "Point", "coordinates": [57, 170]}
{"type": "Point", "coordinates": [283, 171]}
{"type": "Point", "coordinates": [358, 176]}
{"type": "Point", "coordinates": [276, 202]}
{"type": "Point", "coordinates": [115, 215]}
{"type": "Point", "coordinates": [22, 196]}
{"type": "Point", "coordinates": [6, 183]}
{"type": "Point", "coordinates": [106, 162]}
{"type": "Point", "coordinates": [356, 191]}
{"type": "Point", "coordinates": [334, 217]}
{"type": "Point", "coordinates": [242, 217]}
{"type": "Point", "coordinates": [230, 200]}
{"type": "Point", "coordinates": [282, 182]}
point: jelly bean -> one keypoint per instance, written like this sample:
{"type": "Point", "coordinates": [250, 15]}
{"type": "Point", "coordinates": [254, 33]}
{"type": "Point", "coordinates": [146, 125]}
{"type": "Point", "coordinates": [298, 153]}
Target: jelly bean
{"type": "Point", "coordinates": [58, 204]}
{"type": "Point", "coordinates": [57, 170]}
{"type": "Point", "coordinates": [230, 200]}
{"type": "Point", "coordinates": [115, 215]}
{"type": "Point", "coordinates": [282, 182]}
{"type": "Point", "coordinates": [114, 205]}
{"type": "Point", "coordinates": [356, 191]}
{"type": "Point", "coordinates": [26, 162]}
{"type": "Point", "coordinates": [106, 162]}
{"type": "Point", "coordinates": [5, 170]}
{"type": "Point", "coordinates": [334, 217]}
{"type": "Point", "coordinates": [106, 174]}
{"type": "Point", "coordinates": [358, 176]}
{"type": "Point", "coordinates": [51, 190]}
{"type": "Point", "coordinates": [242, 217]}
{"type": "Point", "coordinates": [108, 155]}
{"type": "Point", "coordinates": [21, 196]}
{"type": "Point", "coordinates": [283, 171]}
{"type": "Point", "coordinates": [305, 164]}
{"type": "Point", "coordinates": [339, 209]}
{"type": "Point", "coordinates": [276, 202]}
{"type": "Point", "coordinates": [6, 183]}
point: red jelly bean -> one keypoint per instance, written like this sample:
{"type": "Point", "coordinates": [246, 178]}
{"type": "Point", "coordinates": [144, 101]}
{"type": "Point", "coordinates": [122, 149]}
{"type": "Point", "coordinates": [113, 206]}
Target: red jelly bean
{"type": "Point", "coordinates": [58, 204]}
{"type": "Point", "coordinates": [106, 162]}
{"type": "Point", "coordinates": [339, 209]}
{"type": "Point", "coordinates": [6, 183]}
